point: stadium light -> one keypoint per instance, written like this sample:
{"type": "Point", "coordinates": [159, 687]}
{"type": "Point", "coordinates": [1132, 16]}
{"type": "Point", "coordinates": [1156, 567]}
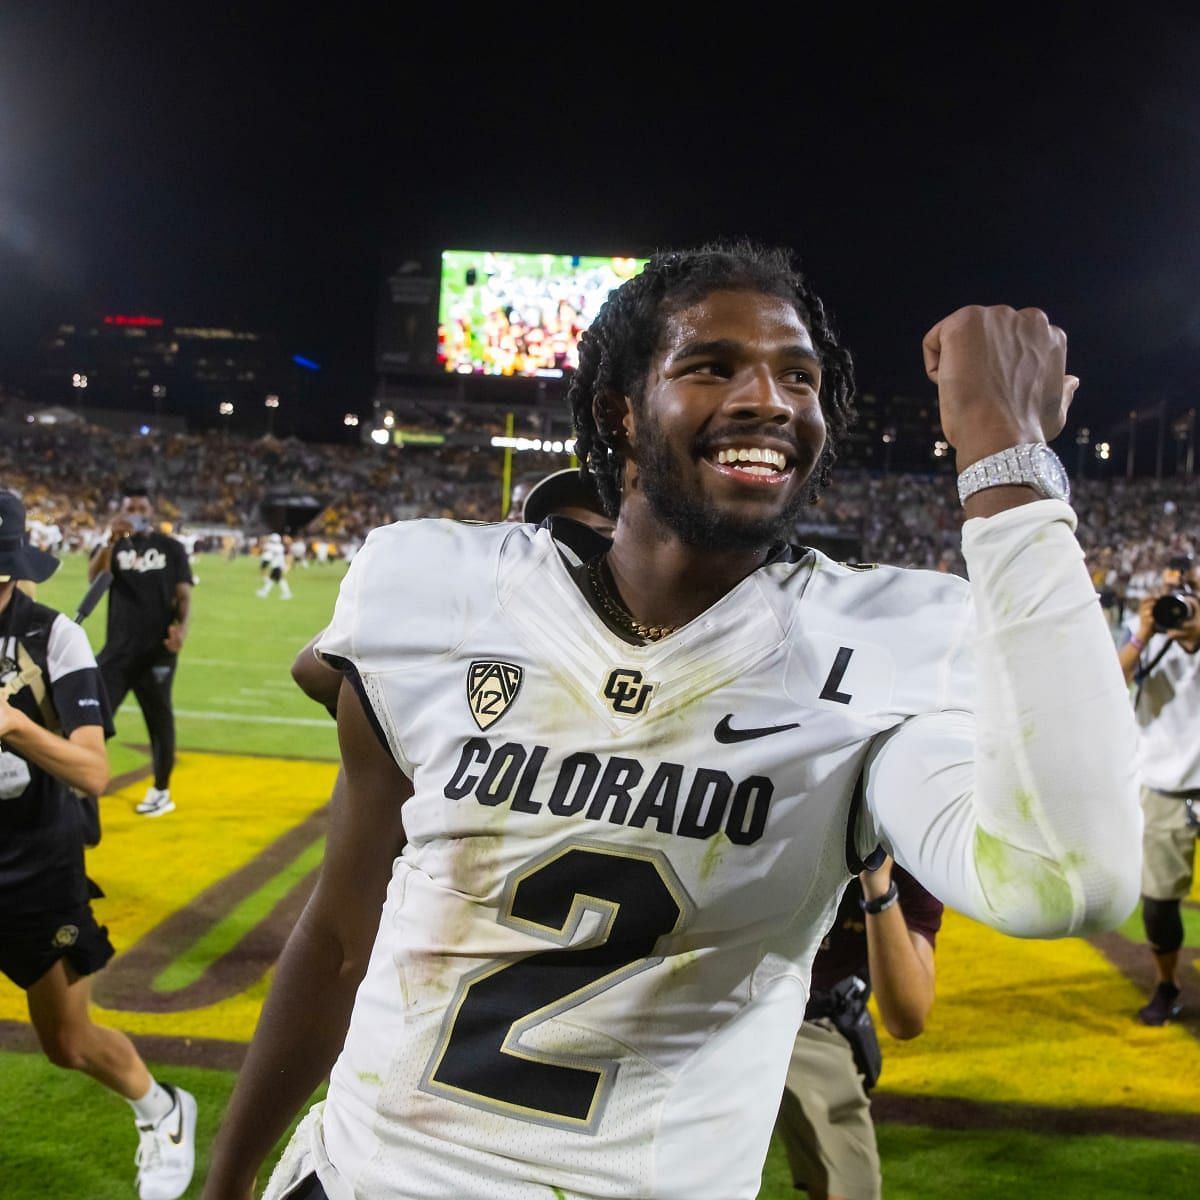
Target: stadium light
{"type": "Point", "coordinates": [158, 391]}
{"type": "Point", "coordinates": [1103, 451]}
{"type": "Point", "coordinates": [78, 380]}
{"type": "Point", "coordinates": [941, 449]}
{"type": "Point", "coordinates": [225, 408]}
{"type": "Point", "coordinates": [272, 401]}
{"type": "Point", "coordinates": [389, 419]}
{"type": "Point", "coordinates": [380, 436]}
{"type": "Point", "coordinates": [500, 442]}
{"type": "Point", "coordinates": [350, 419]}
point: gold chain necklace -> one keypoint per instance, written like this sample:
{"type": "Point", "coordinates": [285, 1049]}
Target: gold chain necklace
{"type": "Point", "coordinates": [619, 614]}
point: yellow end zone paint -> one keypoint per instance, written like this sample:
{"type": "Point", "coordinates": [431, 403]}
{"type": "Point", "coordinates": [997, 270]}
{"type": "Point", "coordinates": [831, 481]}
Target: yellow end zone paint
{"type": "Point", "coordinates": [230, 808]}
{"type": "Point", "coordinates": [1016, 1021]}
{"type": "Point", "coordinates": [1040, 1022]}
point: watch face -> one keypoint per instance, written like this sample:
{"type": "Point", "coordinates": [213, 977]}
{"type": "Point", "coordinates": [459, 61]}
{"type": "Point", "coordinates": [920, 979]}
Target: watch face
{"type": "Point", "coordinates": [1051, 473]}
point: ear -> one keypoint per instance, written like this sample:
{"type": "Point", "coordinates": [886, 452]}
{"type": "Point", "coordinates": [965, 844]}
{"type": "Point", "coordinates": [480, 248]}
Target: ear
{"type": "Point", "coordinates": [615, 420]}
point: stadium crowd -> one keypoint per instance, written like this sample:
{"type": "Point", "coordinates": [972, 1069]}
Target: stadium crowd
{"type": "Point", "coordinates": [211, 487]}
{"type": "Point", "coordinates": [69, 477]}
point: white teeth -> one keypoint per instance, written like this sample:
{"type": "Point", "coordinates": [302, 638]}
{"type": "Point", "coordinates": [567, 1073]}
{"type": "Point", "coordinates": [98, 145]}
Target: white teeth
{"type": "Point", "coordinates": [773, 459]}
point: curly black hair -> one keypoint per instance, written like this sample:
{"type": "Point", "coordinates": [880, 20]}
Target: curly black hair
{"type": "Point", "coordinates": [616, 349]}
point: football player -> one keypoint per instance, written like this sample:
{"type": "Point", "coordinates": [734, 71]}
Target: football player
{"type": "Point", "coordinates": [275, 564]}
{"type": "Point", "coordinates": [599, 798]}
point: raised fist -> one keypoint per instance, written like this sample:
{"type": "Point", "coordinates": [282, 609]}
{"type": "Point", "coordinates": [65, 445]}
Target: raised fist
{"type": "Point", "coordinates": [1001, 379]}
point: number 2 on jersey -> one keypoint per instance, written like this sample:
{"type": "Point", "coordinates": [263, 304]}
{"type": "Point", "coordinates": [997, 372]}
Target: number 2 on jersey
{"type": "Point", "coordinates": [480, 1059]}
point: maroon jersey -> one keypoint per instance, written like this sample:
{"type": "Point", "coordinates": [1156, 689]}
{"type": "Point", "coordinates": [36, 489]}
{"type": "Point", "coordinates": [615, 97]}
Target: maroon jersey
{"type": "Point", "coordinates": [844, 950]}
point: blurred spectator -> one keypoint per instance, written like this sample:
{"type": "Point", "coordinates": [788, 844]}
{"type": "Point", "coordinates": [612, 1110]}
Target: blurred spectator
{"type": "Point", "coordinates": [69, 478]}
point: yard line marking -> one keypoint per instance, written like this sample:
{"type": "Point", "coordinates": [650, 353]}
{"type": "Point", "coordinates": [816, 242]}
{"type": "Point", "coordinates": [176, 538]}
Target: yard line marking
{"type": "Point", "coordinates": [249, 718]}
{"type": "Point", "coordinates": [239, 663]}
{"type": "Point", "coordinates": [203, 714]}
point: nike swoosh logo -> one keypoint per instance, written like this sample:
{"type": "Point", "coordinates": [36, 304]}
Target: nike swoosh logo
{"type": "Point", "coordinates": [727, 735]}
{"type": "Point", "coordinates": [177, 1136]}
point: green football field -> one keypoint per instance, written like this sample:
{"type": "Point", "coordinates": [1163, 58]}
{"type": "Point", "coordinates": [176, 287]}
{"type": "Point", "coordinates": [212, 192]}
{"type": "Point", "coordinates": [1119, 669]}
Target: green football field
{"type": "Point", "coordinates": [1032, 1080]}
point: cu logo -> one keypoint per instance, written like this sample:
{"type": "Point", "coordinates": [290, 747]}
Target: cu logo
{"type": "Point", "coordinates": [625, 692]}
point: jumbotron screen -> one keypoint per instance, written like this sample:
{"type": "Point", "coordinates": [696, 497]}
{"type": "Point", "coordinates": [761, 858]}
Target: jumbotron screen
{"type": "Point", "coordinates": [521, 314]}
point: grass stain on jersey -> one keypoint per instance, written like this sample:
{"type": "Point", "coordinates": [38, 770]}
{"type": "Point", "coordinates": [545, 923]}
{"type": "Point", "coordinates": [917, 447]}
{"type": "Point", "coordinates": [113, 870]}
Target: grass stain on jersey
{"type": "Point", "coordinates": [1054, 896]}
{"type": "Point", "coordinates": [683, 959]}
{"type": "Point", "coordinates": [1009, 875]}
{"type": "Point", "coordinates": [1024, 801]}
{"type": "Point", "coordinates": [713, 854]}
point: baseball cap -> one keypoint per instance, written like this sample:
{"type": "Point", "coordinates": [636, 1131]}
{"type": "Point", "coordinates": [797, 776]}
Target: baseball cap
{"type": "Point", "coordinates": [18, 559]}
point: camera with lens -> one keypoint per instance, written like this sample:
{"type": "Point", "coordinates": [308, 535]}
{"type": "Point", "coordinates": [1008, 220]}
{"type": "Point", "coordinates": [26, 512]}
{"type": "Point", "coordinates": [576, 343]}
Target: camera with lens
{"type": "Point", "coordinates": [845, 1005]}
{"type": "Point", "coordinates": [1175, 609]}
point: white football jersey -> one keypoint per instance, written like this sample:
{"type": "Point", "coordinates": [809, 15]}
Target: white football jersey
{"type": "Point", "coordinates": [1168, 715]}
{"type": "Point", "coordinates": [621, 859]}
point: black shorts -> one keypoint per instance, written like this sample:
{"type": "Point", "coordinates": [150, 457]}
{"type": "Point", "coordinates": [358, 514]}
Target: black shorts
{"type": "Point", "coordinates": [276, 573]}
{"type": "Point", "coordinates": [31, 943]}
{"type": "Point", "coordinates": [309, 1188]}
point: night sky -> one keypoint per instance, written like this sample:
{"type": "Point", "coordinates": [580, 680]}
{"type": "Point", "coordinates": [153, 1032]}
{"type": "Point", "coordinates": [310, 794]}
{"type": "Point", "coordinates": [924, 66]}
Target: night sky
{"type": "Point", "coordinates": [250, 166]}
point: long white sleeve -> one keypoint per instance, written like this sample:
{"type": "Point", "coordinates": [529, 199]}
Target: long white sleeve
{"type": "Point", "coordinates": [1023, 814]}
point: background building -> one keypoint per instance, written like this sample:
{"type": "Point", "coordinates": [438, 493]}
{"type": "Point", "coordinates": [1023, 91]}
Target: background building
{"type": "Point", "coordinates": [143, 366]}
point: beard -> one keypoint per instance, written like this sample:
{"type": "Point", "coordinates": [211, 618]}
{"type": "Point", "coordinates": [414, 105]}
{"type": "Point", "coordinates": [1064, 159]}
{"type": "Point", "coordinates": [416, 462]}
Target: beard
{"type": "Point", "coordinates": [696, 519]}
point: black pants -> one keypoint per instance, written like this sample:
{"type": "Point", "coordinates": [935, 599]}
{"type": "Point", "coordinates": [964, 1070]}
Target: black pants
{"type": "Point", "coordinates": [149, 675]}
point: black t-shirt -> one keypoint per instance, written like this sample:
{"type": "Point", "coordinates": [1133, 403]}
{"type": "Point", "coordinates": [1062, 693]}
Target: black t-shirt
{"type": "Point", "coordinates": [48, 671]}
{"type": "Point", "coordinates": [141, 603]}
{"type": "Point", "coordinates": [844, 950]}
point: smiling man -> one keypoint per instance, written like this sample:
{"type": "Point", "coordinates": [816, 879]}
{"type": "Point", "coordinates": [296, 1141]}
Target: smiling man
{"type": "Point", "coordinates": [600, 798]}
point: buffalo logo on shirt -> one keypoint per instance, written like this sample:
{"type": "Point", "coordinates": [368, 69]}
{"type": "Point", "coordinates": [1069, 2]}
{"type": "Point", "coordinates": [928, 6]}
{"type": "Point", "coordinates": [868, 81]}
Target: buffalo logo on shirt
{"type": "Point", "coordinates": [151, 560]}
{"type": "Point", "coordinates": [491, 689]}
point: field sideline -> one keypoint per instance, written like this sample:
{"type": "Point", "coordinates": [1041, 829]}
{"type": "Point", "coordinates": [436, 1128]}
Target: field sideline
{"type": "Point", "coordinates": [1033, 1079]}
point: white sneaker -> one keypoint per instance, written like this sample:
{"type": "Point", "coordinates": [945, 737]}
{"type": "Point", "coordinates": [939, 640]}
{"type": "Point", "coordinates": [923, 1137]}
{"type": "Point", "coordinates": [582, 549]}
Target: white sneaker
{"type": "Point", "coordinates": [157, 802]}
{"type": "Point", "coordinates": [166, 1153]}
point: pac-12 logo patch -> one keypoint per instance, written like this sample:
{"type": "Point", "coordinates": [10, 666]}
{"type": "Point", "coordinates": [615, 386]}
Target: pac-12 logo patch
{"type": "Point", "coordinates": [491, 688]}
{"type": "Point", "coordinates": [626, 693]}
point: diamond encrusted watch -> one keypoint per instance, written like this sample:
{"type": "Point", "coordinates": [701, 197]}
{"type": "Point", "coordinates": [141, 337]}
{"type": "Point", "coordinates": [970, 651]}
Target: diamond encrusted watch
{"type": "Point", "coordinates": [1033, 464]}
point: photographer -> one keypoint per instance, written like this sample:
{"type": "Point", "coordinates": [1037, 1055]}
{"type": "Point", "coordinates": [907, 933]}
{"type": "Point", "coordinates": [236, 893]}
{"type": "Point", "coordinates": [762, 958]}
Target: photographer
{"type": "Point", "coordinates": [882, 938]}
{"type": "Point", "coordinates": [1162, 658]}
{"type": "Point", "coordinates": [54, 718]}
